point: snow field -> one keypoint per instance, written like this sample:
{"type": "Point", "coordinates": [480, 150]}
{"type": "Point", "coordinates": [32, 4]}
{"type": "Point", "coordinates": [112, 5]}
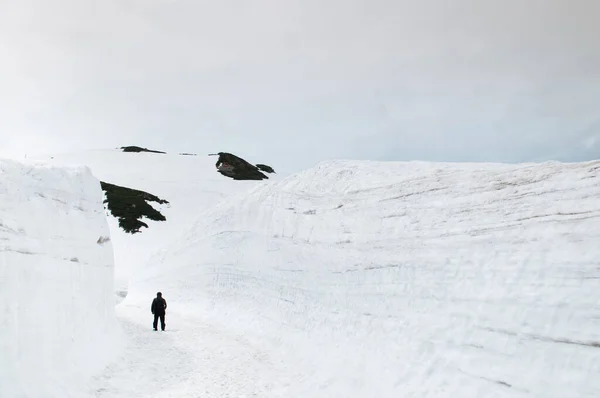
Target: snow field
{"type": "Point", "coordinates": [57, 317]}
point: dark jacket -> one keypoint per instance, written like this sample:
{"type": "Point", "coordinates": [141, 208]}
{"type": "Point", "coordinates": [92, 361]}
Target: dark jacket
{"type": "Point", "coordinates": [159, 305]}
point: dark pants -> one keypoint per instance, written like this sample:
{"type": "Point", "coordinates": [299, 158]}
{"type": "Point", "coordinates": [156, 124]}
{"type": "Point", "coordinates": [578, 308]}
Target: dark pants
{"type": "Point", "coordinates": [162, 321]}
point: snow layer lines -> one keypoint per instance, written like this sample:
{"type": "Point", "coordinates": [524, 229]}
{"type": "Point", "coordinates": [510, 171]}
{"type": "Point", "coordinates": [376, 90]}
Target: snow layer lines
{"type": "Point", "coordinates": [57, 318]}
{"type": "Point", "coordinates": [368, 279]}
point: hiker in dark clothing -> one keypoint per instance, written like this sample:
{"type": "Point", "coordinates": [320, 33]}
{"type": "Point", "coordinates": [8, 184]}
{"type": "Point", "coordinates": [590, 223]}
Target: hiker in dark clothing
{"type": "Point", "coordinates": [158, 308]}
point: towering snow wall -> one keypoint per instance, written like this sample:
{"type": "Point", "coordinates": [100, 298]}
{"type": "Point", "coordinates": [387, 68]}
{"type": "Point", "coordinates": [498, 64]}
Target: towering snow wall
{"type": "Point", "coordinates": [391, 279]}
{"type": "Point", "coordinates": [57, 321]}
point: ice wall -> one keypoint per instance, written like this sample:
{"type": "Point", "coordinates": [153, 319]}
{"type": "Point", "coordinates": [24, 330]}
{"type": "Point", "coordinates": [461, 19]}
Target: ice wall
{"type": "Point", "coordinates": [57, 321]}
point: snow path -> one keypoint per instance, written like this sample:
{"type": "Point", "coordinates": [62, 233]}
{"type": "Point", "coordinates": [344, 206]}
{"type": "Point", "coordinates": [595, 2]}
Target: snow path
{"type": "Point", "coordinates": [191, 359]}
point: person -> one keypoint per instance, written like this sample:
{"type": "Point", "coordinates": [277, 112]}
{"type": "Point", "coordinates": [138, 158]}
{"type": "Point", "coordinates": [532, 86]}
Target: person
{"type": "Point", "coordinates": [158, 308]}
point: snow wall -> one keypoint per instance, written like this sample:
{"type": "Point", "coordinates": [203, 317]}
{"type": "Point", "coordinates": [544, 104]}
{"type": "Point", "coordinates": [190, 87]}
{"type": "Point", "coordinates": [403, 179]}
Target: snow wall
{"type": "Point", "coordinates": [369, 279]}
{"type": "Point", "coordinates": [57, 320]}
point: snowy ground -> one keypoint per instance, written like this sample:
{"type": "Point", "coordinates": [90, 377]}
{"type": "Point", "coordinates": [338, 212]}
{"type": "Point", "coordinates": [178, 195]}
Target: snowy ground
{"type": "Point", "coordinates": [190, 359]}
{"type": "Point", "coordinates": [364, 279]}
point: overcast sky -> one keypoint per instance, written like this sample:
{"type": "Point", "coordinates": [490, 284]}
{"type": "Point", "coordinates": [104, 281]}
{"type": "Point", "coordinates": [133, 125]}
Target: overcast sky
{"type": "Point", "coordinates": [293, 82]}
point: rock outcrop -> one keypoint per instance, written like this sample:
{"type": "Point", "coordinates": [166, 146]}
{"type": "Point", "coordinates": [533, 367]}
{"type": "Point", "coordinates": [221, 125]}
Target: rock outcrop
{"type": "Point", "coordinates": [130, 205]}
{"type": "Point", "coordinates": [265, 168]}
{"type": "Point", "coordinates": [138, 149]}
{"type": "Point", "coordinates": [239, 169]}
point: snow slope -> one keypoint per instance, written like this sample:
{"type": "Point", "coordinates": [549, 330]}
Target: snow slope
{"type": "Point", "coordinates": [57, 317]}
{"type": "Point", "coordinates": [191, 184]}
{"type": "Point", "coordinates": [367, 279]}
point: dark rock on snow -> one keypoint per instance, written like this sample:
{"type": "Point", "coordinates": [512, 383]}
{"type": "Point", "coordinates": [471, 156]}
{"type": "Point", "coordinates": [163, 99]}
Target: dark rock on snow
{"type": "Point", "coordinates": [138, 149]}
{"type": "Point", "coordinates": [265, 168]}
{"type": "Point", "coordinates": [237, 168]}
{"type": "Point", "coordinates": [130, 205]}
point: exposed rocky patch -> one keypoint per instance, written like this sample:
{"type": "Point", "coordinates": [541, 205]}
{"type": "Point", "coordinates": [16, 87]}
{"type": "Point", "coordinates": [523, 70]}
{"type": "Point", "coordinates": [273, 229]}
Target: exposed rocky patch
{"type": "Point", "coordinates": [138, 149]}
{"type": "Point", "coordinates": [239, 169]}
{"type": "Point", "coordinates": [130, 205]}
{"type": "Point", "coordinates": [265, 168]}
